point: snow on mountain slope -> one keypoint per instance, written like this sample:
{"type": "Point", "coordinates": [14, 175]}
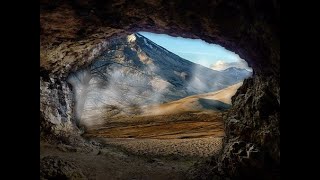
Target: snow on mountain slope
{"type": "Point", "coordinates": [134, 71]}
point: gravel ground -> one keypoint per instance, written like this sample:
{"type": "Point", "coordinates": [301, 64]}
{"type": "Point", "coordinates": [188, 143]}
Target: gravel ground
{"type": "Point", "coordinates": [195, 147]}
{"type": "Point", "coordinates": [108, 163]}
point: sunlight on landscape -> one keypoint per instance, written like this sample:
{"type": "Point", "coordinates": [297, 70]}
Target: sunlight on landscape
{"type": "Point", "coordinates": [153, 93]}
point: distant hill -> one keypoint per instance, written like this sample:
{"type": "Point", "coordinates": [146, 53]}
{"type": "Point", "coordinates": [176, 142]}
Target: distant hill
{"type": "Point", "coordinates": [214, 101]}
{"type": "Point", "coordinates": [237, 74]}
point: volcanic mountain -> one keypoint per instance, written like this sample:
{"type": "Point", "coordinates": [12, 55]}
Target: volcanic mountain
{"type": "Point", "coordinates": [134, 71]}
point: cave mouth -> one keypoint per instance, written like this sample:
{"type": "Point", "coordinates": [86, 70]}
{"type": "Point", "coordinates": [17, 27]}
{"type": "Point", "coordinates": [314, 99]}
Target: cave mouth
{"type": "Point", "coordinates": [158, 87]}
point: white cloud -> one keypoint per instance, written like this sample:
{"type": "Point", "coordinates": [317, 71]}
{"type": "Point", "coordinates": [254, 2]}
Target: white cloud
{"type": "Point", "coordinates": [221, 65]}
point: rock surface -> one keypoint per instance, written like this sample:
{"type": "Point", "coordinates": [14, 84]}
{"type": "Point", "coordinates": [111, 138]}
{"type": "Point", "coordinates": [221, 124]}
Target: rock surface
{"type": "Point", "coordinates": [56, 103]}
{"type": "Point", "coordinates": [53, 167]}
{"type": "Point", "coordinates": [255, 121]}
{"type": "Point", "coordinates": [73, 33]}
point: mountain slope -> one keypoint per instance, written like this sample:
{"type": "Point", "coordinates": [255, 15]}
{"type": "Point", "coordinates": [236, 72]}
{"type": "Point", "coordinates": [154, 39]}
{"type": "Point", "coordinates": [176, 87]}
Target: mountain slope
{"type": "Point", "coordinates": [215, 101]}
{"type": "Point", "coordinates": [237, 73]}
{"type": "Point", "coordinates": [134, 71]}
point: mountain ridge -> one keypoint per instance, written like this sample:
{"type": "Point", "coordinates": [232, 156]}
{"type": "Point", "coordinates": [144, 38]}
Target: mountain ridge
{"type": "Point", "coordinates": [135, 71]}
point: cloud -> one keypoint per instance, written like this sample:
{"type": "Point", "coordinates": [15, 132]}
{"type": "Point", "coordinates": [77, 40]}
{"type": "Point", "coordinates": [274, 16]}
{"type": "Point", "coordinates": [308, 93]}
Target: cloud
{"type": "Point", "coordinates": [221, 65]}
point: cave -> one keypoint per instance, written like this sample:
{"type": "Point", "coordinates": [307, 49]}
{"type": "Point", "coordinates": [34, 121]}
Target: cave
{"type": "Point", "coordinates": [73, 34]}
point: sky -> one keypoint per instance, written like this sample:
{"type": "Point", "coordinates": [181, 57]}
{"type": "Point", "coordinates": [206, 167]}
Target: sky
{"type": "Point", "coordinates": [198, 51]}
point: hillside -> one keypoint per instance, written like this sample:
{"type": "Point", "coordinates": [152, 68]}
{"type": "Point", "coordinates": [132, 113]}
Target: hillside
{"type": "Point", "coordinates": [214, 101]}
{"type": "Point", "coordinates": [134, 72]}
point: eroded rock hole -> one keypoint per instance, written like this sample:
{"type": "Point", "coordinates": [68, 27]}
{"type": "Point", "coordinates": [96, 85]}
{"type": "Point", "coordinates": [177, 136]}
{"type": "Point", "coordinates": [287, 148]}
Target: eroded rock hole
{"type": "Point", "coordinates": [166, 93]}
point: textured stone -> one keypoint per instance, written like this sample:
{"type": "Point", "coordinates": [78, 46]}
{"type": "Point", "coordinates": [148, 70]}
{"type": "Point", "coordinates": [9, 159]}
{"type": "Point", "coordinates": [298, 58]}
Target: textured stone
{"type": "Point", "coordinates": [53, 167]}
{"type": "Point", "coordinates": [72, 32]}
{"type": "Point", "coordinates": [56, 104]}
{"type": "Point", "coordinates": [255, 119]}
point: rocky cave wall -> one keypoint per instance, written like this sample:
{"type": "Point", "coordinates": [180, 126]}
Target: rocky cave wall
{"type": "Point", "coordinates": [73, 33]}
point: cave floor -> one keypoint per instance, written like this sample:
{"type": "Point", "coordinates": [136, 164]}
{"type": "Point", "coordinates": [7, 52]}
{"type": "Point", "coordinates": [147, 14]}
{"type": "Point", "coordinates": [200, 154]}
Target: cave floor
{"type": "Point", "coordinates": [191, 134]}
{"type": "Point", "coordinates": [112, 163]}
{"type": "Point", "coordinates": [154, 147]}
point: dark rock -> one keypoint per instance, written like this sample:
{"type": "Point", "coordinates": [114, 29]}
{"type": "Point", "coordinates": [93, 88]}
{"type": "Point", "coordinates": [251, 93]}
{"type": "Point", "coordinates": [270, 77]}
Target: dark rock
{"type": "Point", "coordinates": [53, 167]}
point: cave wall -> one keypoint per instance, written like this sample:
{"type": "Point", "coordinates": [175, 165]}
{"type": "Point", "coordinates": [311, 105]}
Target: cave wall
{"type": "Point", "coordinates": [73, 33]}
{"type": "Point", "coordinates": [69, 31]}
{"type": "Point", "coordinates": [252, 148]}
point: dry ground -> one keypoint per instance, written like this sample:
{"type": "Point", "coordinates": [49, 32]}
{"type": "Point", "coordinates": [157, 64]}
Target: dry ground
{"type": "Point", "coordinates": [161, 143]}
{"type": "Point", "coordinates": [109, 163]}
{"type": "Point", "coordinates": [194, 134]}
{"type": "Point", "coordinates": [171, 126]}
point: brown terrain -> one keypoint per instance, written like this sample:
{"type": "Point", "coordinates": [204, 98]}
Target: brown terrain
{"type": "Point", "coordinates": [162, 142]}
{"type": "Point", "coordinates": [197, 116]}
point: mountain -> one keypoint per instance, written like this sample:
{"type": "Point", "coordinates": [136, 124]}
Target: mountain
{"type": "Point", "coordinates": [134, 71]}
{"type": "Point", "coordinates": [237, 73]}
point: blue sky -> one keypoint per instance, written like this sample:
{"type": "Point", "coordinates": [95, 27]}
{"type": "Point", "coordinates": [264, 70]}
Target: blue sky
{"type": "Point", "coordinates": [195, 50]}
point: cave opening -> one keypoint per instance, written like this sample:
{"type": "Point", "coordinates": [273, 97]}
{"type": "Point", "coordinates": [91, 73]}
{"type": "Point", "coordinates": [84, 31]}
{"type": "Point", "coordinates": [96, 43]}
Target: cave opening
{"type": "Point", "coordinates": [157, 87]}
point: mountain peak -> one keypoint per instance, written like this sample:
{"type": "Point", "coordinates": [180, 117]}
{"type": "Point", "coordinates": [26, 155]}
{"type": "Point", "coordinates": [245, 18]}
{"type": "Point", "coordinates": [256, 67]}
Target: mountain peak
{"type": "Point", "coordinates": [234, 69]}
